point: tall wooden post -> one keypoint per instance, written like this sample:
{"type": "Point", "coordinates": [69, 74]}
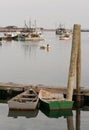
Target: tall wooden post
{"type": "Point", "coordinates": [78, 68]}
{"type": "Point", "coordinates": [73, 60]}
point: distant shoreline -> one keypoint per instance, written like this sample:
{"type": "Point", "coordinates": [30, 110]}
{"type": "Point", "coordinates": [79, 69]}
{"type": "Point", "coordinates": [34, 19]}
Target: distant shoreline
{"type": "Point", "coordinates": [18, 29]}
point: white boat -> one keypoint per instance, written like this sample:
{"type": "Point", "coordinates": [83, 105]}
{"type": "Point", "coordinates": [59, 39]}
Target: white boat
{"type": "Point", "coordinates": [31, 37]}
{"type": "Point", "coordinates": [34, 37]}
{"type": "Point", "coordinates": [65, 36]}
{"type": "Point", "coordinates": [27, 100]}
{"type": "Point", "coordinates": [10, 36]}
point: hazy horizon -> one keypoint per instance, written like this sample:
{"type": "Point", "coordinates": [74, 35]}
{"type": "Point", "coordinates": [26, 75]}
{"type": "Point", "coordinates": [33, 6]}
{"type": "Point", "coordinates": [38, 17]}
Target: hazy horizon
{"type": "Point", "coordinates": [47, 13]}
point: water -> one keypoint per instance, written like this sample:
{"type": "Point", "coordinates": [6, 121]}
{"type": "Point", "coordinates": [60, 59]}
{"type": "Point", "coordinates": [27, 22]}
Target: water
{"type": "Point", "coordinates": [25, 62]}
{"type": "Point", "coordinates": [73, 120]}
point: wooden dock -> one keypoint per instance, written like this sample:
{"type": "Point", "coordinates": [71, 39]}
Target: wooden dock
{"type": "Point", "coordinates": [56, 89]}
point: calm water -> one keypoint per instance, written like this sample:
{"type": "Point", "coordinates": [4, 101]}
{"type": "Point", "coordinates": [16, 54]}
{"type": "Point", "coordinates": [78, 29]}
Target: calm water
{"type": "Point", "coordinates": [72, 120]}
{"type": "Point", "coordinates": [25, 62]}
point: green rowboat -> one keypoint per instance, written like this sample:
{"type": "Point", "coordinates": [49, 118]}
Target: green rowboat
{"type": "Point", "coordinates": [53, 101]}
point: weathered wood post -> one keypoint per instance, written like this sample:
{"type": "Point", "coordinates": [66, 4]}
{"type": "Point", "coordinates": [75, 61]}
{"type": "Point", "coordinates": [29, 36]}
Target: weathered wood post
{"type": "Point", "coordinates": [78, 68]}
{"type": "Point", "coordinates": [73, 60]}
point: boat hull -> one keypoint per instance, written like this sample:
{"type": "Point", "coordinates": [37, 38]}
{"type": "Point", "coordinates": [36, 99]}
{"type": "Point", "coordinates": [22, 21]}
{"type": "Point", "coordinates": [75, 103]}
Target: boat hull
{"type": "Point", "coordinates": [22, 106]}
{"type": "Point", "coordinates": [56, 105]}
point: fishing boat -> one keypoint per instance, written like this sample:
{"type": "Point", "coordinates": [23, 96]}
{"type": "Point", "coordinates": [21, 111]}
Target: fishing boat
{"type": "Point", "coordinates": [10, 36]}
{"type": "Point", "coordinates": [34, 37]}
{"type": "Point", "coordinates": [31, 37]}
{"type": "Point", "coordinates": [60, 30]}
{"type": "Point", "coordinates": [27, 100]}
{"type": "Point", "coordinates": [53, 101]}
{"type": "Point", "coordinates": [34, 34]}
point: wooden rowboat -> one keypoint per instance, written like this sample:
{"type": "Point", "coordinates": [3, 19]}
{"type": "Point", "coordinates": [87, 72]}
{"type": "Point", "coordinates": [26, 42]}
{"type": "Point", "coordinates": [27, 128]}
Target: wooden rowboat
{"type": "Point", "coordinates": [27, 100]}
{"type": "Point", "coordinates": [53, 101]}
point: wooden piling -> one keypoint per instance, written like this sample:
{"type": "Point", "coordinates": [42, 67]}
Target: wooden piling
{"type": "Point", "coordinates": [78, 68]}
{"type": "Point", "coordinates": [73, 60]}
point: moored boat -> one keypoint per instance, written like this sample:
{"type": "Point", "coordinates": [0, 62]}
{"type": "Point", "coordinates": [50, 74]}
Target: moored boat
{"type": "Point", "coordinates": [34, 37]}
{"type": "Point", "coordinates": [27, 100]}
{"type": "Point", "coordinates": [53, 101]}
{"type": "Point", "coordinates": [30, 37]}
{"type": "Point", "coordinates": [65, 36]}
{"type": "Point", "coordinates": [60, 30]}
{"type": "Point", "coordinates": [10, 36]}
{"type": "Point", "coordinates": [45, 46]}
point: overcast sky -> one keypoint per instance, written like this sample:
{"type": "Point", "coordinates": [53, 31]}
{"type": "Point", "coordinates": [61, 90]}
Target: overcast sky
{"type": "Point", "coordinates": [47, 13]}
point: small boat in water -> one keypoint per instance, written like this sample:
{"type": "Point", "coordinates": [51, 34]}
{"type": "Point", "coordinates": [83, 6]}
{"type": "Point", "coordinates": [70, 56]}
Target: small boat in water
{"type": "Point", "coordinates": [45, 46]}
{"type": "Point", "coordinates": [65, 36]}
{"type": "Point", "coordinates": [10, 36]}
{"type": "Point", "coordinates": [31, 36]}
{"type": "Point", "coordinates": [53, 101]}
{"type": "Point", "coordinates": [60, 30]}
{"type": "Point", "coordinates": [27, 100]}
{"type": "Point", "coordinates": [34, 37]}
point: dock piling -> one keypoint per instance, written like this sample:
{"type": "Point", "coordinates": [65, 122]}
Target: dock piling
{"type": "Point", "coordinates": [78, 68]}
{"type": "Point", "coordinates": [73, 61]}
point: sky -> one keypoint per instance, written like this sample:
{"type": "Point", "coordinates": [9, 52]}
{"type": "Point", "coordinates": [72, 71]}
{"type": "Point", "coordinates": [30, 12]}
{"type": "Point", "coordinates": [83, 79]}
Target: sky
{"type": "Point", "coordinates": [46, 13]}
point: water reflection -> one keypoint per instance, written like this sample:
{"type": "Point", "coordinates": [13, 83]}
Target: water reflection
{"type": "Point", "coordinates": [30, 48]}
{"type": "Point", "coordinates": [57, 113]}
{"type": "Point", "coordinates": [72, 118]}
{"type": "Point", "coordinates": [27, 114]}
{"type": "Point", "coordinates": [77, 119]}
{"type": "Point", "coordinates": [68, 114]}
{"type": "Point", "coordinates": [70, 124]}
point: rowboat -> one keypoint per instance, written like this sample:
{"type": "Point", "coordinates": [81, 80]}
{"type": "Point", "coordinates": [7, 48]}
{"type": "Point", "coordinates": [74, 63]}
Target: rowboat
{"type": "Point", "coordinates": [27, 100]}
{"type": "Point", "coordinates": [53, 101]}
